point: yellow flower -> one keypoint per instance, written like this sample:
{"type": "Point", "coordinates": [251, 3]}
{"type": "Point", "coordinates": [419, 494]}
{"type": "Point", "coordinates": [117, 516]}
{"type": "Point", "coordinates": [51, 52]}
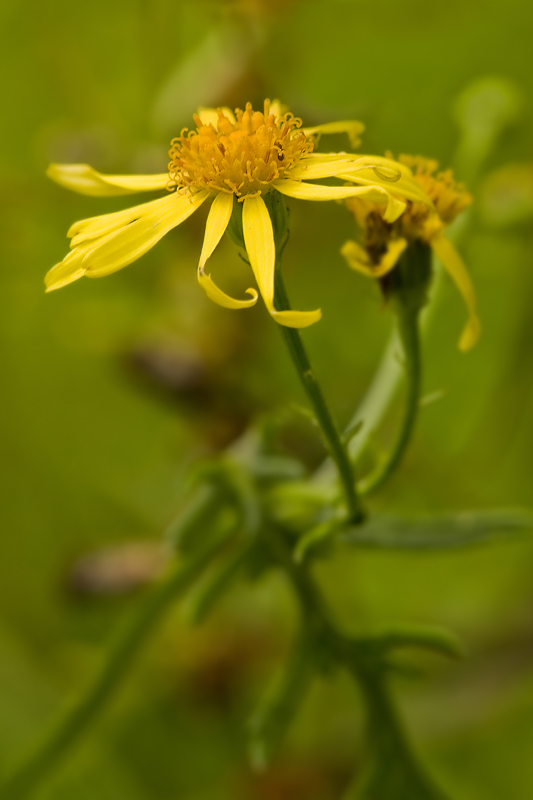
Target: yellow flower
{"type": "Point", "coordinates": [385, 241]}
{"type": "Point", "coordinates": [228, 158]}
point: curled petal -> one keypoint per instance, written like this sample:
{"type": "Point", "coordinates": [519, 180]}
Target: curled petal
{"type": "Point", "coordinates": [220, 297]}
{"type": "Point", "coordinates": [260, 246]}
{"type": "Point", "coordinates": [453, 263]}
{"type": "Point", "coordinates": [405, 186]}
{"type": "Point", "coordinates": [313, 191]}
{"type": "Point", "coordinates": [217, 222]}
{"type": "Point", "coordinates": [351, 127]}
{"type": "Point", "coordinates": [358, 259]}
{"type": "Point", "coordinates": [297, 319]}
{"type": "Point", "coordinates": [84, 179]}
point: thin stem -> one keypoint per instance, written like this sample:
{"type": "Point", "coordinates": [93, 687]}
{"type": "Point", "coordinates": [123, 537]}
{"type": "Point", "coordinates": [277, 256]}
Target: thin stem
{"type": "Point", "coordinates": [25, 778]}
{"type": "Point", "coordinates": [387, 738]}
{"type": "Point", "coordinates": [338, 452]}
{"type": "Point", "coordinates": [474, 148]}
{"type": "Point", "coordinates": [408, 330]}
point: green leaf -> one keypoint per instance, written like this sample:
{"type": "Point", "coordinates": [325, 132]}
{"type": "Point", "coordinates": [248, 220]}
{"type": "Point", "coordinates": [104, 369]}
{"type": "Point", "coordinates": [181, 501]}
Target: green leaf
{"type": "Point", "coordinates": [425, 637]}
{"type": "Point", "coordinates": [440, 532]}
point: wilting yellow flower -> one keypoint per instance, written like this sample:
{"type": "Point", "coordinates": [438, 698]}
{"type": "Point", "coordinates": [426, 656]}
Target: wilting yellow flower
{"type": "Point", "coordinates": [228, 158]}
{"type": "Point", "coordinates": [385, 241]}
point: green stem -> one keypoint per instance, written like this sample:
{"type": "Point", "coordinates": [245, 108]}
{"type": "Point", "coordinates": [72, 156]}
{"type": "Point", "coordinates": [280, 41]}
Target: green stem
{"type": "Point", "coordinates": [387, 738]}
{"type": "Point", "coordinates": [408, 330]}
{"type": "Point", "coordinates": [28, 775]}
{"type": "Point", "coordinates": [338, 452]}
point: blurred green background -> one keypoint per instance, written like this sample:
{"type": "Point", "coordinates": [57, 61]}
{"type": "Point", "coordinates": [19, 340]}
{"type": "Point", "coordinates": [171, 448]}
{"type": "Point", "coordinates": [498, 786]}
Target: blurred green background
{"type": "Point", "coordinates": [112, 388]}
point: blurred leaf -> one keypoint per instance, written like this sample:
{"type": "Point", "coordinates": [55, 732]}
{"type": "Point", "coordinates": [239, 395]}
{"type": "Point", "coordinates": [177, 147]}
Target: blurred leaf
{"type": "Point", "coordinates": [419, 636]}
{"type": "Point", "coordinates": [440, 532]}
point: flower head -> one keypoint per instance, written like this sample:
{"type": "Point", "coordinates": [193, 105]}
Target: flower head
{"type": "Point", "coordinates": [385, 241]}
{"type": "Point", "coordinates": [229, 158]}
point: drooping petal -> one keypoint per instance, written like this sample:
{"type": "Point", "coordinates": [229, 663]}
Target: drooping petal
{"type": "Point", "coordinates": [351, 127]}
{"type": "Point", "coordinates": [120, 248]}
{"type": "Point", "coordinates": [260, 246]}
{"type": "Point", "coordinates": [312, 191]}
{"type": "Point", "coordinates": [220, 297]}
{"type": "Point", "coordinates": [217, 222]}
{"type": "Point", "coordinates": [209, 116]}
{"type": "Point", "coordinates": [358, 259]}
{"type": "Point", "coordinates": [453, 263]}
{"type": "Point", "coordinates": [84, 179]}
{"type": "Point", "coordinates": [96, 227]}
{"type": "Point", "coordinates": [296, 319]}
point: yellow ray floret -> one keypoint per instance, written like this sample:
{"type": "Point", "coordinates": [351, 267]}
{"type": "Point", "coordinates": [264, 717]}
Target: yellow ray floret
{"type": "Point", "coordinates": [228, 158]}
{"type": "Point", "coordinates": [385, 239]}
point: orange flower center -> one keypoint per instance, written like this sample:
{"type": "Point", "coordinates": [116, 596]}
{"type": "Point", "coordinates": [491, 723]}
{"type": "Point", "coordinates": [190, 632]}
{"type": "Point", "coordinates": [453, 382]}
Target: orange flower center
{"type": "Point", "coordinates": [241, 157]}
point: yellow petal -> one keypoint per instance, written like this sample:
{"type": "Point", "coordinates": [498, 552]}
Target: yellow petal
{"type": "Point", "coordinates": [220, 297]}
{"type": "Point", "coordinates": [313, 191]}
{"type": "Point", "coordinates": [324, 169]}
{"type": "Point", "coordinates": [217, 222]}
{"type": "Point", "coordinates": [65, 272]}
{"type": "Point", "coordinates": [383, 168]}
{"type": "Point", "coordinates": [453, 263]}
{"type": "Point", "coordinates": [358, 259]}
{"type": "Point", "coordinates": [404, 187]}
{"type": "Point", "coordinates": [209, 116]}
{"type": "Point", "coordinates": [276, 108]}
{"type": "Point", "coordinates": [296, 319]}
{"type": "Point", "coordinates": [84, 179]}
{"type": "Point", "coordinates": [259, 242]}
{"type": "Point", "coordinates": [86, 230]}
{"type": "Point", "coordinates": [395, 208]}
{"type": "Point", "coordinates": [351, 127]}
{"type": "Point", "coordinates": [120, 248]}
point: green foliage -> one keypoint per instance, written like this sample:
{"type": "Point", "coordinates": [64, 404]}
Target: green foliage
{"type": "Point", "coordinates": [92, 455]}
{"type": "Point", "coordinates": [440, 532]}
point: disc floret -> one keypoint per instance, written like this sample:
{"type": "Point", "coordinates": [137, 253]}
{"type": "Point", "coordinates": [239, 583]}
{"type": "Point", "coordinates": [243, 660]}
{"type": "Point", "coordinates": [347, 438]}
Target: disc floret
{"type": "Point", "coordinates": [419, 225]}
{"type": "Point", "coordinates": [241, 154]}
